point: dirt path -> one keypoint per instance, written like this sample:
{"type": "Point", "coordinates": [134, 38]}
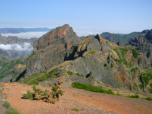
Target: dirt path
{"type": "Point", "coordinates": [86, 102]}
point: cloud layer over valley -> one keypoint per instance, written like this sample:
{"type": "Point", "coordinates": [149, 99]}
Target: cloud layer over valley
{"type": "Point", "coordinates": [17, 47]}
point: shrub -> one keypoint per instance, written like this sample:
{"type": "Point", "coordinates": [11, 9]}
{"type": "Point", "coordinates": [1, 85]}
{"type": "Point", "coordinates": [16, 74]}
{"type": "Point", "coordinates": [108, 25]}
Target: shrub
{"type": "Point", "coordinates": [135, 53]}
{"type": "Point", "coordinates": [69, 72]}
{"type": "Point", "coordinates": [6, 104]}
{"type": "Point", "coordinates": [28, 95]}
{"type": "Point", "coordinates": [145, 78]}
{"type": "Point", "coordinates": [49, 97]}
{"type": "Point", "coordinates": [133, 96]}
{"type": "Point", "coordinates": [149, 98]}
{"type": "Point", "coordinates": [80, 75]}
{"type": "Point", "coordinates": [75, 109]}
{"type": "Point", "coordinates": [13, 111]}
{"type": "Point", "coordinates": [91, 88]}
{"type": "Point", "coordinates": [141, 86]}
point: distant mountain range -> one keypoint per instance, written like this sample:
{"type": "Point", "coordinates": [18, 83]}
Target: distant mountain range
{"type": "Point", "coordinates": [117, 37]}
{"type": "Point", "coordinates": [19, 30]}
{"type": "Point", "coordinates": [124, 38]}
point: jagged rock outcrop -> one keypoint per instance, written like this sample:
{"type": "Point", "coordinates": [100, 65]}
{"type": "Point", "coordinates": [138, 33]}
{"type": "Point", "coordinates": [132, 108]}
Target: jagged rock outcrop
{"type": "Point", "coordinates": [52, 49]}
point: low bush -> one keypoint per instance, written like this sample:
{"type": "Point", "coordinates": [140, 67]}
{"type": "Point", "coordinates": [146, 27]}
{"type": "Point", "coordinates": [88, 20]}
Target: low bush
{"type": "Point", "coordinates": [13, 111]}
{"type": "Point", "coordinates": [69, 72]}
{"type": "Point", "coordinates": [6, 104]}
{"type": "Point", "coordinates": [75, 109]}
{"type": "Point", "coordinates": [149, 98]}
{"type": "Point", "coordinates": [91, 88]}
{"type": "Point", "coordinates": [49, 97]}
{"type": "Point", "coordinates": [133, 96]}
{"type": "Point", "coordinates": [80, 75]}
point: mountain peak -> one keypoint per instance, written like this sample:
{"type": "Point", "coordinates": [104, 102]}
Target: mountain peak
{"type": "Point", "coordinates": [58, 35]}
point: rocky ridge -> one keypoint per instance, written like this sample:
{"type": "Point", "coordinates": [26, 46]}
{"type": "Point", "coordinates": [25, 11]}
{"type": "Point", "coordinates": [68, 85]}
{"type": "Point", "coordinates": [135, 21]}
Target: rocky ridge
{"type": "Point", "coordinates": [94, 61]}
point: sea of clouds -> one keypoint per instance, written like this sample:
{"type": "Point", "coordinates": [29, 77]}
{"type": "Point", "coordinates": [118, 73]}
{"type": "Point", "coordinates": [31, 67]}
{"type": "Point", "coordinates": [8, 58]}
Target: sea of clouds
{"type": "Point", "coordinates": [17, 47]}
{"type": "Point", "coordinates": [25, 35]}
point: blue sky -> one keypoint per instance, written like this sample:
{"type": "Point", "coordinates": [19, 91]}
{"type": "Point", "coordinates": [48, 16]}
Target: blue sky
{"type": "Point", "coordinates": [85, 16]}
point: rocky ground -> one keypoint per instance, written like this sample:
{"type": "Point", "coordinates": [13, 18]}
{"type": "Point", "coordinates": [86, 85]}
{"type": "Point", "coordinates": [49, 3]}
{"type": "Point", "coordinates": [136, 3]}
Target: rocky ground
{"type": "Point", "coordinates": [2, 100]}
{"type": "Point", "coordinates": [86, 102]}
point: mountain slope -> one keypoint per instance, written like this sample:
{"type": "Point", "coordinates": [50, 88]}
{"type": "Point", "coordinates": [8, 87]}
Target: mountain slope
{"type": "Point", "coordinates": [7, 68]}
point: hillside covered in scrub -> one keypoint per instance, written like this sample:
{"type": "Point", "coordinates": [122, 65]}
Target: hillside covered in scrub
{"type": "Point", "coordinates": [93, 61]}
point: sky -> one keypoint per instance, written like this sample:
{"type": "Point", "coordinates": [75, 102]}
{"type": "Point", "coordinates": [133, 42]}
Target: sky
{"type": "Point", "coordinates": [84, 16]}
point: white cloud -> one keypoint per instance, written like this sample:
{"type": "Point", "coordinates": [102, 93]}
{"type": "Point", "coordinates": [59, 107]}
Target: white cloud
{"type": "Point", "coordinates": [17, 47]}
{"type": "Point", "coordinates": [86, 33]}
{"type": "Point", "coordinates": [25, 35]}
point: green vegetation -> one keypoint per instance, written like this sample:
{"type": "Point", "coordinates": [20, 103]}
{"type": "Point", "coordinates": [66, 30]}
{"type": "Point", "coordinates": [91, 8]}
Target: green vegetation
{"type": "Point", "coordinates": [141, 86]}
{"type": "Point", "coordinates": [145, 78]}
{"type": "Point", "coordinates": [28, 95]}
{"type": "Point", "coordinates": [75, 109]}
{"type": "Point", "coordinates": [34, 79]}
{"type": "Point", "coordinates": [121, 52]}
{"type": "Point", "coordinates": [133, 96]}
{"type": "Point", "coordinates": [91, 52]}
{"type": "Point", "coordinates": [80, 75]}
{"type": "Point", "coordinates": [150, 89]}
{"type": "Point", "coordinates": [69, 72]}
{"type": "Point", "coordinates": [91, 88]}
{"type": "Point", "coordinates": [31, 55]}
{"type": "Point", "coordinates": [7, 65]}
{"type": "Point", "coordinates": [13, 111]}
{"type": "Point", "coordinates": [112, 64]}
{"type": "Point", "coordinates": [135, 53]}
{"type": "Point", "coordinates": [134, 70]}
{"type": "Point", "coordinates": [6, 104]}
{"type": "Point", "coordinates": [149, 98]}
{"type": "Point", "coordinates": [49, 97]}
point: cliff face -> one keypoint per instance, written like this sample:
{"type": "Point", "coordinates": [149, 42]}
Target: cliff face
{"type": "Point", "coordinates": [52, 49]}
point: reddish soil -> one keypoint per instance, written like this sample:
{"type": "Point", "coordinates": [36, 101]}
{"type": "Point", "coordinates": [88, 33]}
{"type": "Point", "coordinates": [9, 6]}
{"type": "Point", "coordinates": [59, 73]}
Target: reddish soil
{"type": "Point", "coordinates": [86, 102]}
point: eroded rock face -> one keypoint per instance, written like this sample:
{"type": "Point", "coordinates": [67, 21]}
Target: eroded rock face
{"type": "Point", "coordinates": [52, 49]}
